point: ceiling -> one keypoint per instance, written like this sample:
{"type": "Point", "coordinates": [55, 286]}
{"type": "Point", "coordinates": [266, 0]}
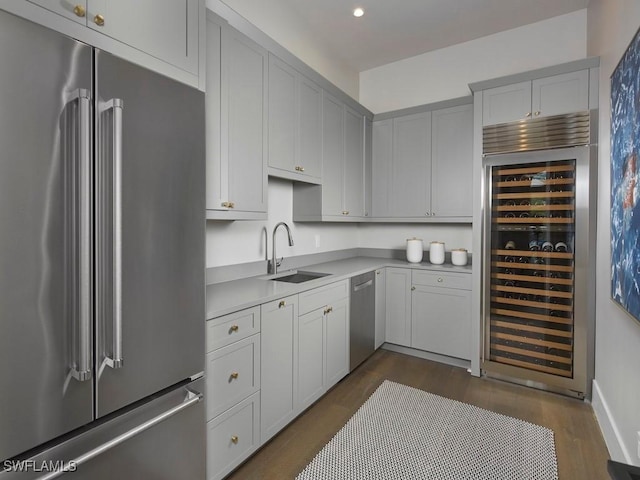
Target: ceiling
{"type": "Point", "coordinates": [391, 30]}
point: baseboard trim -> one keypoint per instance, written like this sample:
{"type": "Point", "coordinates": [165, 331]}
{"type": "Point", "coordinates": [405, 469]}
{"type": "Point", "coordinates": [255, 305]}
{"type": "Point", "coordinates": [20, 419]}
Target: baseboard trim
{"type": "Point", "coordinates": [454, 362]}
{"type": "Point", "coordinates": [610, 432]}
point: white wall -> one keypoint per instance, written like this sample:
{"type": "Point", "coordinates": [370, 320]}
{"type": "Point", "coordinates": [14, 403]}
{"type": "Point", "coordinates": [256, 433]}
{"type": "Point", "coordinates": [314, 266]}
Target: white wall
{"type": "Point", "coordinates": [611, 26]}
{"type": "Point", "coordinates": [230, 243]}
{"type": "Point", "coordinates": [288, 29]}
{"type": "Point", "coordinates": [445, 73]}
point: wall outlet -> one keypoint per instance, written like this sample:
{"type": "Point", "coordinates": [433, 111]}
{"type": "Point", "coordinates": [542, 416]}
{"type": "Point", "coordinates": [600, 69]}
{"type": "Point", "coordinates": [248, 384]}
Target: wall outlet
{"type": "Point", "coordinates": [317, 237]}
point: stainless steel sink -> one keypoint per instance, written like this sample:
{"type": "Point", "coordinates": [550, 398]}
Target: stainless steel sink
{"type": "Point", "coordinates": [300, 277]}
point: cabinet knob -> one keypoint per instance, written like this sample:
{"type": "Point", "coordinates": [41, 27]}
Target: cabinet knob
{"type": "Point", "coordinates": [378, 272]}
{"type": "Point", "coordinates": [345, 212]}
{"type": "Point", "coordinates": [328, 310]}
{"type": "Point", "coordinates": [233, 376]}
{"type": "Point", "coordinates": [413, 288]}
{"type": "Point", "coordinates": [528, 114]}
{"type": "Point", "coordinates": [282, 304]}
{"type": "Point", "coordinates": [234, 439]}
{"type": "Point", "coordinates": [439, 279]}
{"type": "Point", "coordinates": [234, 328]}
{"type": "Point", "coordinates": [79, 10]}
{"type": "Point", "coordinates": [537, 113]}
{"type": "Point", "coordinates": [299, 168]}
{"type": "Point", "coordinates": [428, 214]}
{"type": "Point", "coordinates": [228, 204]}
{"type": "Point", "coordinates": [98, 20]}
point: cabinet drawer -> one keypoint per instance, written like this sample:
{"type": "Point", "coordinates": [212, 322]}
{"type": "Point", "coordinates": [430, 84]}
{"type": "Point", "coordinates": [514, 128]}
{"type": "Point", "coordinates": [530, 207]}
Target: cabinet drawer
{"type": "Point", "coordinates": [319, 297]}
{"type": "Point", "coordinates": [230, 328]}
{"type": "Point", "coordinates": [460, 281]}
{"type": "Point", "coordinates": [233, 373]}
{"type": "Point", "coordinates": [232, 437]}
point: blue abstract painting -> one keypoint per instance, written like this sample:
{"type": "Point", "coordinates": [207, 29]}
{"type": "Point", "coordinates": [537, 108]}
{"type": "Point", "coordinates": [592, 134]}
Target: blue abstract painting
{"type": "Point", "coordinates": [625, 208]}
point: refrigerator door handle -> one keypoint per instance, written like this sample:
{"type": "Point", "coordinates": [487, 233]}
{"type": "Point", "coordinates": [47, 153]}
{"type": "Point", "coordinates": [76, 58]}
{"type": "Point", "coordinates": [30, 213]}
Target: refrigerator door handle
{"type": "Point", "coordinates": [81, 370]}
{"type": "Point", "coordinates": [116, 105]}
{"type": "Point", "coordinates": [191, 398]}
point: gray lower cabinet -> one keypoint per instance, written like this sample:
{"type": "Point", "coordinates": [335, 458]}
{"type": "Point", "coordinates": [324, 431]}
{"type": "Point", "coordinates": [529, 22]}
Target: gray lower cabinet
{"type": "Point", "coordinates": [341, 197]}
{"type": "Point", "coordinates": [441, 313]}
{"type": "Point", "coordinates": [232, 390]}
{"type": "Point", "coordinates": [295, 124]}
{"type": "Point", "coordinates": [429, 310]}
{"type": "Point", "coordinates": [554, 95]}
{"type": "Point", "coordinates": [381, 306]}
{"type": "Point", "coordinates": [279, 365]}
{"type": "Point", "coordinates": [398, 306]}
{"type": "Point", "coordinates": [236, 124]}
{"type": "Point", "coordinates": [422, 166]}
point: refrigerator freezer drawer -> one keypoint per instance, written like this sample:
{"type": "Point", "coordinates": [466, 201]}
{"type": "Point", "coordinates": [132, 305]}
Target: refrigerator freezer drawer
{"type": "Point", "coordinates": [163, 438]}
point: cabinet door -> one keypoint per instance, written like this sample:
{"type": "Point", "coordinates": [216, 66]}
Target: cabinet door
{"type": "Point", "coordinates": [310, 358]}
{"type": "Point", "coordinates": [452, 162]}
{"type": "Point", "coordinates": [381, 307]}
{"type": "Point", "coordinates": [441, 321]}
{"type": "Point", "coordinates": [283, 121]}
{"type": "Point", "coordinates": [398, 308]}
{"type": "Point", "coordinates": [309, 127]}
{"type": "Point", "coordinates": [411, 166]}
{"type": "Point", "coordinates": [332, 155]}
{"type": "Point", "coordinates": [382, 155]}
{"type": "Point", "coordinates": [337, 342]}
{"type": "Point", "coordinates": [166, 30]}
{"type": "Point", "coordinates": [244, 69]}
{"type": "Point", "coordinates": [353, 163]}
{"type": "Point", "coordinates": [75, 10]}
{"type": "Point", "coordinates": [278, 365]}
{"type": "Point", "coordinates": [560, 94]}
{"type": "Point", "coordinates": [217, 171]}
{"type": "Point", "coordinates": [506, 104]}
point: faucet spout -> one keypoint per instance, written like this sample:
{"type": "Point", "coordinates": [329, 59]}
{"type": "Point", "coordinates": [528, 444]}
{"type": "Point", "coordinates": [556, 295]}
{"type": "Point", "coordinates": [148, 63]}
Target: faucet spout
{"type": "Point", "coordinates": [274, 263]}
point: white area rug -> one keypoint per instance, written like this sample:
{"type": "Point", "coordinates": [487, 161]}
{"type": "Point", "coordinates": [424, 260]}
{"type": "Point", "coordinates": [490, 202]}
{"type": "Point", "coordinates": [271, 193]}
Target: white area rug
{"type": "Point", "coordinates": [402, 433]}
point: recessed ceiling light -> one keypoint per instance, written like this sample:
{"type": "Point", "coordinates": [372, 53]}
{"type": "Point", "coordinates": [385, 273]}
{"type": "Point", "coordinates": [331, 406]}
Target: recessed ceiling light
{"type": "Point", "coordinates": [358, 12]}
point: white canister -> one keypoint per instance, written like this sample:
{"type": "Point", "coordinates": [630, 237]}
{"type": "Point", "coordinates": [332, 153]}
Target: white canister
{"type": "Point", "coordinates": [436, 253]}
{"type": "Point", "coordinates": [459, 256]}
{"type": "Point", "coordinates": [414, 250]}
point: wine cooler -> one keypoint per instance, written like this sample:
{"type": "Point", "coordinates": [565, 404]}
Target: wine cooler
{"type": "Point", "coordinates": [539, 270]}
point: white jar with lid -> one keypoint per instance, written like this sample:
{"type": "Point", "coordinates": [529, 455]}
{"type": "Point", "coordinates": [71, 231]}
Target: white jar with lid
{"type": "Point", "coordinates": [436, 253]}
{"type": "Point", "coordinates": [459, 256]}
{"type": "Point", "coordinates": [414, 250]}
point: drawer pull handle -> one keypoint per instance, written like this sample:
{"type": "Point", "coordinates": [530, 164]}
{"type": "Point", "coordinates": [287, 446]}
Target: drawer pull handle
{"type": "Point", "coordinates": [234, 328]}
{"type": "Point", "coordinates": [439, 279]}
{"type": "Point", "coordinates": [233, 376]}
{"type": "Point", "coordinates": [234, 439]}
{"type": "Point", "coordinates": [282, 304]}
{"type": "Point", "coordinates": [98, 20]}
{"type": "Point", "coordinates": [413, 288]}
{"type": "Point", "coordinates": [79, 10]}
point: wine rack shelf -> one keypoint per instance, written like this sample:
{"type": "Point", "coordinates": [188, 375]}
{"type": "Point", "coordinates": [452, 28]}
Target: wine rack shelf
{"type": "Point", "coordinates": [531, 294]}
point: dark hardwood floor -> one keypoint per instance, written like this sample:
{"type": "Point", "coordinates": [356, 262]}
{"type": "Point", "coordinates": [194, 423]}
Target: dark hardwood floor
{"type": "Point", "coordinates": [580, 448]}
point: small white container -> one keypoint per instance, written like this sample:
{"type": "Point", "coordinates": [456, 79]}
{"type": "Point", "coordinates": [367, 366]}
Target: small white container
{"type": "Point", "coordinates": [436, 253]}
{"type": "Point", "coordinates": [414, 250]}
{"type": "Point", "coordinates": [459, 256]}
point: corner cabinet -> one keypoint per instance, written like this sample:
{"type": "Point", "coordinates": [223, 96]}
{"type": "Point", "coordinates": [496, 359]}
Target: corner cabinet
{"type": "Point", "coordinates": [554, 95]}
{"type": "Point", "coordinates": [422, 166]}
{"type": "Point", "coordinates": [295, 124]}
{"type": "Point", "coordinates": [236, 124]}
{"type": "Point", "coordinates": [341, 197]}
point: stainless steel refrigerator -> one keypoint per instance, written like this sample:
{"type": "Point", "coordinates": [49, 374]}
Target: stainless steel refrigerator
{"type": "Point", "coordinates": [101, 264]}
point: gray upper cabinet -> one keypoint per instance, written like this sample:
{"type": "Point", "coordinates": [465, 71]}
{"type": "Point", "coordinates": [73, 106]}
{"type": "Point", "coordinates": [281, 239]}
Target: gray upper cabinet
{"type": "Point", "coordinates": [554, 95]}
{"type": "Point", "coordinates": [165, 30]}
{"type": "Point", "coordinates": [295, 124]}
{"type": "Point", "coordinates": [341, 197]}
{"type": "Point", "coordinates": [451, 168]}
{"type": "Point", "coordinates": [422, 165]}
{"type": "Point", "coordinates": [410, 187]}
{"type": "Point", "coordinates": [236, 115]}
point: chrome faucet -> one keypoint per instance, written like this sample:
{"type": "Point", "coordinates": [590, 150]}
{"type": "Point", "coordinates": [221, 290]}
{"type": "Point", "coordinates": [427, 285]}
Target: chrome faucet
{"type": "Point", "coordinates": [274, 263]}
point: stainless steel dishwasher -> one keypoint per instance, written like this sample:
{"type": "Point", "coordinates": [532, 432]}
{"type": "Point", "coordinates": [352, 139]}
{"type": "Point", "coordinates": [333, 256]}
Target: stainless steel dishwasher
{"type": "Point", "coordinates": [362, 318]}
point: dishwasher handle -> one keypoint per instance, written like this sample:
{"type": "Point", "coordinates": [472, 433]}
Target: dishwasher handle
{"type": "Point", "coordinates": [362, 286]}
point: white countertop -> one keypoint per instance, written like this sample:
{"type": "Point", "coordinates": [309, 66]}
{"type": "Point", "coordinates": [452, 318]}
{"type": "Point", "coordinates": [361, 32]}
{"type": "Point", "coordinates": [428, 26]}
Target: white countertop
{"type": "Point", "coordinates": [228, 297]}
